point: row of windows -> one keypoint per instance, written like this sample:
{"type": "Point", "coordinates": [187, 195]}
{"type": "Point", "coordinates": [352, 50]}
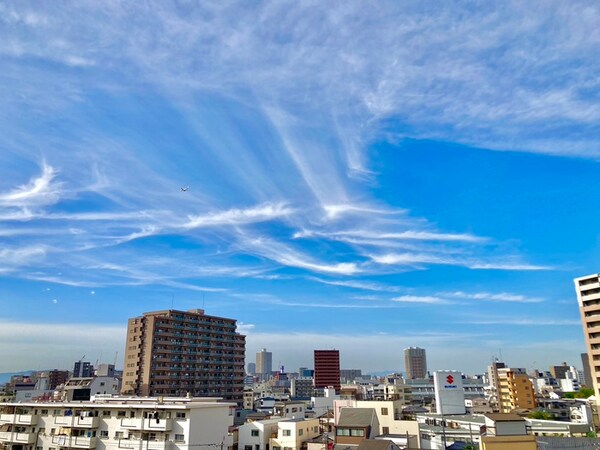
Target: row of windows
{"type": "Point", "coordinates": [349, 432]}
{"type": "Point", "coordinates": [108, 413]}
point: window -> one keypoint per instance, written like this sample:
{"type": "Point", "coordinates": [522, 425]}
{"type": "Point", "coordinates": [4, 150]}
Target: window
{"type": "Point", "coordinates": [121, 414]}
{"type": "Point", "coordinates": [106, 413]}
{"type": "Point", "coordinates": [254, 433]}
{"type": "Point", "coordinates": [300, 432]}
{"type": "Point", "coordinates": [42, 430]}
{"type": "Point", "coordinates": [44, 412]}
{"type": "Point", "coordinates": [247, 447]}
{"type": "Point", "coordinates": [56, 412]}
{"type": "Point", "coordinates": [119, 435]}
{"type": "Point", "coordinates": [357, 433]}
{"type": "Point", "coordinates": [385, 430]}
{"type": "Point", "coordinates": [286, 432]}
{"type": "Point", "coordinates": [276, 448]}
{"type": "Point", "coordinates": [384, 411]}
{"type": "Point", "coordinates": [52, 431]}
{"type": "Point", "coordinates": [181, 438]}
{"type": "Point", "coordinates": [342, 432]}
{"type": "Point", "coordinates": [180, 415]}
{"type": "Point", "coordinates": [103, 434]}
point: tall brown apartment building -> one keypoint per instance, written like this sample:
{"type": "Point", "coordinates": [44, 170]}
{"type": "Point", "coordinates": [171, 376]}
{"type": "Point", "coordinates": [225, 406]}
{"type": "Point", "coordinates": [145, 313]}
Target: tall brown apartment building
{"type": "Point", "coordinates": [176, 353]}
{"type": "Point", "coordinates": [415, 363]}
{"type": "Point", "coordinates": [327, 369]}
{"type": "Point", "coordinates": [588, 297]}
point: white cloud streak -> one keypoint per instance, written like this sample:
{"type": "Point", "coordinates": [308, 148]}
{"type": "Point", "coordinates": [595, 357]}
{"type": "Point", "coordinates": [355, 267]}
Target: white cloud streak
{"type": "Point", "coordinates": [259, 213]}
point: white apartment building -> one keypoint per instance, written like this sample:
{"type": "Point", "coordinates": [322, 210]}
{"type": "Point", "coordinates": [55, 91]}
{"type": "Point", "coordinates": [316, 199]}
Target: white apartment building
{"type": "Point", "coordinates": [127, 423]}
{"type": "Point", "coordinates": [256, 435]}
{"type": "Point", "coordinates": [292, 433]}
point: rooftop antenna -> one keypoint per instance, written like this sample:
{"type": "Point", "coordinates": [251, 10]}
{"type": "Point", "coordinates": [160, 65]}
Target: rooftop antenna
{"type": "Point", "coordinates": [115, 362]}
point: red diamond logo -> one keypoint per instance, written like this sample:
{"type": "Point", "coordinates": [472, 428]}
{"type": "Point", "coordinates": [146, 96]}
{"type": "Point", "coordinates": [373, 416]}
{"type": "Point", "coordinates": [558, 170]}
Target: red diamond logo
{"type": "Point", "coordinates": [450, 379]}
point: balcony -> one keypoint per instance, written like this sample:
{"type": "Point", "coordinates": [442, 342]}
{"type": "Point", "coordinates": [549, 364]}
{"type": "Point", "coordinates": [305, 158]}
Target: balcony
{"type": "Point", "coordinates": [17, 438]}
{"type": "Point", "coordinates": [18, 419]}
{"type": "Point", "coordinates": [147, 424]}
{"type": "Point", "coordinates": [76, 421]}
{"type": "Point", "coordinates": [74, 441]}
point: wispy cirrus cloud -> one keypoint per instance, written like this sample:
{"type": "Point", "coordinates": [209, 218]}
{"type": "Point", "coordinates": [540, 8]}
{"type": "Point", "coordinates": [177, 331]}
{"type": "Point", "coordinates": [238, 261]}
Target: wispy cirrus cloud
{"type": "Point", "coordinates": [419, 259]}
{"type": "Point", "coordinates": [260, 213]}
{"type": "Point", "coordinates": [408, 235]}
{"type": "Point", "coordinates": [40, 191]}
{"type": "Point", "coordinates": [426, 299]}
{"type": "Point", "coordinates": [497, 297]}
{"type": "Point", "coordinates": [287, 256]}
{"type": "Point", "coordinates": [354, 284]}
{"type": "Point", "coordinates": [534, 321]}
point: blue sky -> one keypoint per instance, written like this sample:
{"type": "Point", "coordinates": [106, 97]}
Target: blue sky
{"type": "Point", "coordinates": [368, 179]}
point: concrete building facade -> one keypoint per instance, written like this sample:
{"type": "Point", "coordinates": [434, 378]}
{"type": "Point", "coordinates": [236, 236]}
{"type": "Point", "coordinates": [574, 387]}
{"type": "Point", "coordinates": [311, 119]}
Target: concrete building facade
{"type": "Point", "coordinates": [588, 297]}
{"type": "Point", "coordinates": [117, 423]}
{"type": "Point", "coordinates": [515, 390]}
{"type": "Point", "coordinates": [264, 364]}
{"type": "Point", "coordinates": [415, 363]}
{"type": "Point", "coordinates": [176, 353]}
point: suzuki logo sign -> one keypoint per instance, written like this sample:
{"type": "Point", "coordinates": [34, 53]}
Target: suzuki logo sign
{"type": "Point", "coordinates": [450, 382]}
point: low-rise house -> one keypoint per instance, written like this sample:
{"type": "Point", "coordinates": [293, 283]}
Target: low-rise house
{"type": "Point", "coordinates": [257, 434]}
{"type": "Point", "coordinates": [355, 425]}
{"type": "Point", "coordinates": [293, 433]}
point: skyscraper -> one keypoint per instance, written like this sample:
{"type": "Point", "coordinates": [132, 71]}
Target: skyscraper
{"type": "Point", "coordinates": [327, 369]}
{"type": "Point", "coordinates": [415, 363]}
{"type": "Point", "coordinates": [588, 297]}
{"type": "Point", "coordinates": [264, 364]}
{"type": "Point", "coordinates": [173, 353]}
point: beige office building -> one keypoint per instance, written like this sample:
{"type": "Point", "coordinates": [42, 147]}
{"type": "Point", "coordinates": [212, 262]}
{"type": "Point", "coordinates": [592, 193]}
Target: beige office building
{"type": "Point", "coordinates": [515, 390]}
{"type": "Point", "coordinates": [179, 353]}
{"type": "Point", "coordinates": [588, 296]}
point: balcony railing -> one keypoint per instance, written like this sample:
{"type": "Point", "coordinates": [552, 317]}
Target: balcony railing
{"type": "Point", "coordinates": [76, 421]}
{"type": "Point", "coordinates": [18, 419]}
{"type": "Point", "coordinates": [74, 441]}
{"type": "Point", "coordinates": [147, 424]}
{"type": "Point", "coordinates": [17, 438]}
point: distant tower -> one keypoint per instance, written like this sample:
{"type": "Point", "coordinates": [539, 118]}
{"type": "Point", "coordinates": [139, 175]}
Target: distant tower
{"type": "Point", "coordinates": [251, 368]}
{"type": "Point", "coordinates": [264, 364]}
{"type": "Point", "coordinates": [83, 369]}
{"type": "Point", "coordinates": [415, 363]}
{"type": "Point", "coordinates": [327, 369]}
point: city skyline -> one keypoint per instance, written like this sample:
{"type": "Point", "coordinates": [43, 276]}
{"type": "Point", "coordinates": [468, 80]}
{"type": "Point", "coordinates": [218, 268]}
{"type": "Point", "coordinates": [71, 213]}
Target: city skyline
{"type": "Point", "coordinates": [359, 179]}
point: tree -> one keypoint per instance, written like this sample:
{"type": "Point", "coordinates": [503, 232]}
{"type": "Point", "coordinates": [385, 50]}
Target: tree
{"type": "Point", "coordinates": [543, 415]}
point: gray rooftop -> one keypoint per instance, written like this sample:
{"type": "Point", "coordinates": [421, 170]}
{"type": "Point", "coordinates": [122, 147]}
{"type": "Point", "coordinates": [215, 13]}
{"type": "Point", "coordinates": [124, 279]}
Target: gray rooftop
{"type": "Point", "coordinates": [356, 417]}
